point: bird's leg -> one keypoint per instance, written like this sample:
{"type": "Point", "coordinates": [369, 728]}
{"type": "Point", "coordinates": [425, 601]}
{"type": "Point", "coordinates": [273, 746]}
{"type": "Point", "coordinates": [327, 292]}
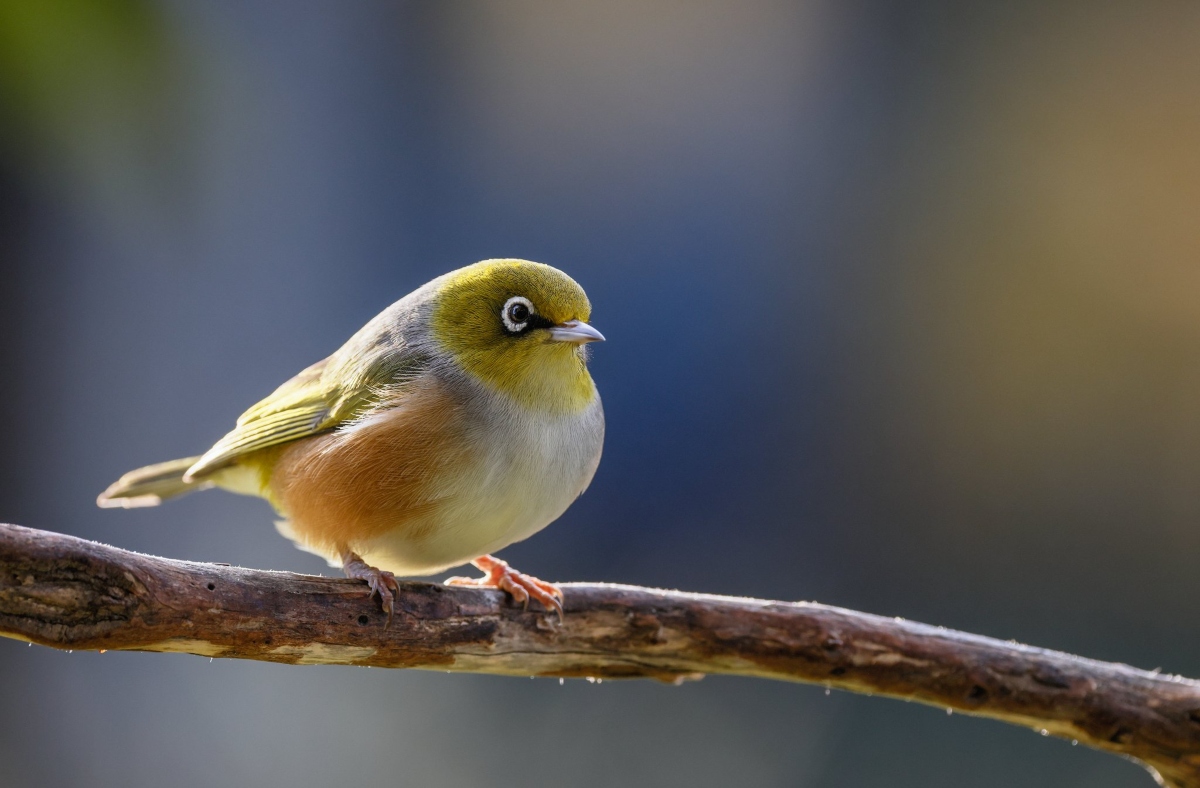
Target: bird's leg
{"type": "Point", "coordinates": [383, 584]}
{"type": "Point", "coordinates": [521, 587]}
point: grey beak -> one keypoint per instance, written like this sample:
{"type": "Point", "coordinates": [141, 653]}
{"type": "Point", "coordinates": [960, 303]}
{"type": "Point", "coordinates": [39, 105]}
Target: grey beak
{"type": "Point", "coordinates": [576, 332]}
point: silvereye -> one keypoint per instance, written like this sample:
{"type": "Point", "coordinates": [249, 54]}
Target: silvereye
{"type": "Point", "coordinates": [459, 420]}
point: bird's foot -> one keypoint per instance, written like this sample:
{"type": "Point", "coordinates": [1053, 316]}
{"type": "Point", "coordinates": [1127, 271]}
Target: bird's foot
{"type": "Point", "coordinates": [521, 587]}
{"type": "Point", "coordinates": [383, 584]}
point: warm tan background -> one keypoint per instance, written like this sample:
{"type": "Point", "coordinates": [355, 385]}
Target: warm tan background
{"type": "Point", "coordinates": [903, 305]}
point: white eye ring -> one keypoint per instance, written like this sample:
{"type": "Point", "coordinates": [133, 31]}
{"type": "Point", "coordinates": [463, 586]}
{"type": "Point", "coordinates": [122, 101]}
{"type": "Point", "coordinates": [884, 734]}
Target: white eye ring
{"type": "Point", "coordinates": [514, 304]}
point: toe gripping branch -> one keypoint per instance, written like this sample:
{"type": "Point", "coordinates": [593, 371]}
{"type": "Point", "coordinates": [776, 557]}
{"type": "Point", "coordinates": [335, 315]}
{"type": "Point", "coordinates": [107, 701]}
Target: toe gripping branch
{"type": "Point", "coordinates": [383, 584]}
{"type": "Point", "coordinates": [520, 586]}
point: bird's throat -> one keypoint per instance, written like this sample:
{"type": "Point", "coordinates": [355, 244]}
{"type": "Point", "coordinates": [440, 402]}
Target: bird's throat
{"type": "Point", "coordinates": [550, 378]}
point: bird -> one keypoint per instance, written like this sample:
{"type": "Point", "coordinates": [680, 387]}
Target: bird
{"type": "Point", "coordinates": [459, 420]}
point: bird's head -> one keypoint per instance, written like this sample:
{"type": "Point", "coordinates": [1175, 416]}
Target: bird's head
{"type": "Point", "coordinates": [520, 328]}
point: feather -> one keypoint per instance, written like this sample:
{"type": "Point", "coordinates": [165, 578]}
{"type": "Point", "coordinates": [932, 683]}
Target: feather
{"type": "Point", "coordinates": [326, 395]}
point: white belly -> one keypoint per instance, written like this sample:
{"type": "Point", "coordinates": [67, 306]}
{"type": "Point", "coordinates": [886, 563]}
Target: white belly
{"type": "Point", "coordinates": [528, 469]}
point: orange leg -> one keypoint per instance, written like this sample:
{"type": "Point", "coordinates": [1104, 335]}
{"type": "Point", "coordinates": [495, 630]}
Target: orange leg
{"type": "Point", "coordinates": [383, 584]}
{"type": "Point", "coordinates": [522, 587]}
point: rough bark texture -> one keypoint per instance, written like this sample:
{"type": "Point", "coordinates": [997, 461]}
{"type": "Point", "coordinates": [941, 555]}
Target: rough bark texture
{"type": "Point", "coordinates": [65, 592]}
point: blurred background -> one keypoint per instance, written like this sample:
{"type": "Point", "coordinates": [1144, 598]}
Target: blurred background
{"type": "Point", "coordinates": [901, 301]}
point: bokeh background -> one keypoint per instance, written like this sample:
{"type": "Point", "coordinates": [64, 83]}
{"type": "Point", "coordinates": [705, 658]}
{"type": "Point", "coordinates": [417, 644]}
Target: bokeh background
{"type": "Point", "coordinates": [901, 301]}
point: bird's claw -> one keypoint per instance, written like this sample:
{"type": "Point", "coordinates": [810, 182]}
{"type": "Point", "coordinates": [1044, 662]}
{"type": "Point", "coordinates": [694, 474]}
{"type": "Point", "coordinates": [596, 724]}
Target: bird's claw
{"type": "Point", "coordinates": [520, 587]}
{"type": "Point", "coordinates": [382, 584]}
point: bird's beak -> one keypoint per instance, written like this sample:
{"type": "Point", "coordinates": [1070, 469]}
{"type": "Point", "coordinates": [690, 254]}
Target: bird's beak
{"type": "Point", "coordinates": [576, 332]}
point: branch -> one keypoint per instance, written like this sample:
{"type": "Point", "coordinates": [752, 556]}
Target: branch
{"type": "Point", "coordinates": [65, 592]}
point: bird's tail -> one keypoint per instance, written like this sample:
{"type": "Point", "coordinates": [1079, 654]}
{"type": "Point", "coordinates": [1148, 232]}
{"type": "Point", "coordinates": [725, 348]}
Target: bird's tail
{"type": "Point", "coordinates": [151, 485]}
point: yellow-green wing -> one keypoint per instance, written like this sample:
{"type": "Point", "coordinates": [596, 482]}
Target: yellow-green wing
{"type": "Point", "coordinates": [298, 408]}
{"type": "Point", "coordinates": [317, 400]}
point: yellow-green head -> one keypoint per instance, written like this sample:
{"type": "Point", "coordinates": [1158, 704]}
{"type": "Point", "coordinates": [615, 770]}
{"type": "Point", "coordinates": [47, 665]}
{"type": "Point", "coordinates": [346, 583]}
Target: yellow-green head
{"type": "Point", "coordinates": [519, 327]}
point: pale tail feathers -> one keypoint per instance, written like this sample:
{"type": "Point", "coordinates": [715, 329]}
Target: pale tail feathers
{"type": "Point", "coordinates": [151, 485]}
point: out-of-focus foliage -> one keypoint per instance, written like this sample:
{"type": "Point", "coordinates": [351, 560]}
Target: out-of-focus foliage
{"type": "Point", "coordinates": [89, 93]}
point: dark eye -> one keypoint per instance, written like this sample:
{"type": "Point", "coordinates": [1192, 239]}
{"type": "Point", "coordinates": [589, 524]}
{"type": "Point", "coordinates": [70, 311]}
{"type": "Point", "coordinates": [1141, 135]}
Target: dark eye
{"type": "Point", "coordinates": [516, 313]}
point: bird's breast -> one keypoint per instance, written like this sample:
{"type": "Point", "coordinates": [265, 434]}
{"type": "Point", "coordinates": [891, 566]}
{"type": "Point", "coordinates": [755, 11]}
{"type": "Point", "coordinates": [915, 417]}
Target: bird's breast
{"type": "Point", "coordinates": [438, 477]}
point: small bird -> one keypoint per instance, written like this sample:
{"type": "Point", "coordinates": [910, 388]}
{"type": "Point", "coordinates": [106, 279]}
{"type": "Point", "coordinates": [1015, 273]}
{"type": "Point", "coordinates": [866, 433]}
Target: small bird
{"type": "Point", "coordinates": [458, 421]}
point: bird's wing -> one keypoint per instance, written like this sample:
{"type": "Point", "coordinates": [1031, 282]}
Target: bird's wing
{"type": "Point", "coordinates": [323, 396]}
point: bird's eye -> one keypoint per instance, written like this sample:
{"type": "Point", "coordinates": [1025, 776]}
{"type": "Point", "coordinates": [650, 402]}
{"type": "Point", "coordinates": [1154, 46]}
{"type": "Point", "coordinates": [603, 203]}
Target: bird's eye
{"type": "Point", "coordinates": [516, 313]}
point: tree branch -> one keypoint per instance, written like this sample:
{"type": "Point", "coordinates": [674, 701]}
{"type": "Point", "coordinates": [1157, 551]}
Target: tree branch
{"type": "Point", "coordinates": [65, 592]}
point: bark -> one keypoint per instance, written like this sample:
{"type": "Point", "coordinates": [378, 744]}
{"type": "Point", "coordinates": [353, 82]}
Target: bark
{"type": "Point", "coordinates": [68, 593]}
